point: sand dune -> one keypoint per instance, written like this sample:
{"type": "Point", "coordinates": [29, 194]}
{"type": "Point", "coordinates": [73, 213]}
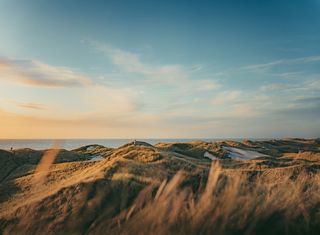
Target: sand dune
{"type": "Point", "coordinates": [169, 188]}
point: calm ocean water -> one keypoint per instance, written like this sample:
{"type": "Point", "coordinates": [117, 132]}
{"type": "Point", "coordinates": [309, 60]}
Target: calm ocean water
{"type": "Point", "coordinates": [75, 143]}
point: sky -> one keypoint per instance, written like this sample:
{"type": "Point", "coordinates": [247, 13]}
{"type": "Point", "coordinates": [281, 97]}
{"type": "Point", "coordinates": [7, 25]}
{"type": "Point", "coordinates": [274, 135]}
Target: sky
{"type": "Point", "coordinates": [159, 69]}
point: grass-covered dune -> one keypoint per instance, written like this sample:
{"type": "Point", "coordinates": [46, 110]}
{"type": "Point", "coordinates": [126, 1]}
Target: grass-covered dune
{"type": "Point", "coordinates": [251, 187]}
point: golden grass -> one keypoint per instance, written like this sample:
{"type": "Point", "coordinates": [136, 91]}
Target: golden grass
{"type": "Point", "coordinates": [44, 165]}
{"type": "Point", "coordinates": [229, 204]}
{"type": "Point", "coordinates": [179, 194]}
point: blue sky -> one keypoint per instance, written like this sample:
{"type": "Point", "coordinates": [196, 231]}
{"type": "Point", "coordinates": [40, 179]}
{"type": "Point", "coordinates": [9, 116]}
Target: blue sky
{"type": "Point", "coordinates": [142, 69]}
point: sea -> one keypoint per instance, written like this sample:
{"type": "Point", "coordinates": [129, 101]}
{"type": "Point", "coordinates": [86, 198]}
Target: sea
{"type": "Point", "coordinates": [69, 144]}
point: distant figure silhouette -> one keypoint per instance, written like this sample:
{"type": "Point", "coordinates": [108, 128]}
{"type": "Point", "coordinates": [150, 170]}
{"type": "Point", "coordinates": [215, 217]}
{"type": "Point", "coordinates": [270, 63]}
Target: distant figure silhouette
{"type": "Point", "coordinates": [134, 142]}
{"type": "Point", "coordinates": [11, 149]}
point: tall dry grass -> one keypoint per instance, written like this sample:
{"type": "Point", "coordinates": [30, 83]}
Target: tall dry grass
{"type": "Point", "coordinates": [43, 168]}
{"type": "Point", "coordinates": [230, 203]}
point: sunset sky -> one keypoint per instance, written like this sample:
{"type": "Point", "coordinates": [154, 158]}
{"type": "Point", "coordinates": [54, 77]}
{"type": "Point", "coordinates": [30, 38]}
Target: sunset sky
{"type": "Point", "coordinates": [159, 69]}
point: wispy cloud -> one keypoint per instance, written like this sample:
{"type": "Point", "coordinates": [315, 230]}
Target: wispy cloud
{"type": "Point", "coordinates": [35, 73]}
{"type": "Point", "coordinates": [310, 85]}
{"type": "Point", "coordinates": [35, 106]}
{"type": "Point", "coordinates": [276, 86]}
{"type": "Point", "coordinates": [264, 66]}
{"type": "Point", "coordinates": [132, 63]}
{"type": "Point", "coordinates": [168, 74]}
{"type": "Point", "coordinates": [267, 66]}
{"type": "Point", "coordinates": [226, 97]}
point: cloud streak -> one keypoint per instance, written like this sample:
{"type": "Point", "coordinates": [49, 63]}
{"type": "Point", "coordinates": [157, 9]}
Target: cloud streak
{"type": "Point", "coordinates": [131, 62]}
{"type": "Point", "coordinates": [267, 66]}
{"type": "Point", "coordinates": [169, 74]}
{"type": "Point", "coordinates": [35, 73]}
{"type": "Point", "coordinates": [308, 86]}
{"type": "Point", "coordinates": [30, 106]}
